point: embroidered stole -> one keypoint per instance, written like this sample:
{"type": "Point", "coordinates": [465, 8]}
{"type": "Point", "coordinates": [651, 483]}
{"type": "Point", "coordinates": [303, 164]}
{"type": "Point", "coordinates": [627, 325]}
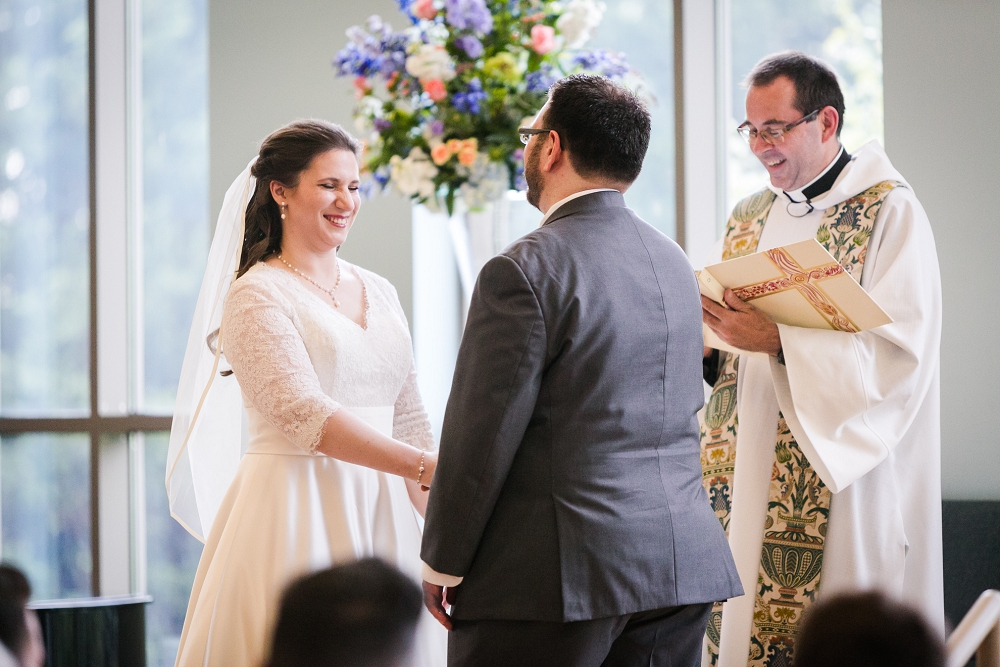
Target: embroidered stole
{"type": "Point", "coordinates": [791, 559]}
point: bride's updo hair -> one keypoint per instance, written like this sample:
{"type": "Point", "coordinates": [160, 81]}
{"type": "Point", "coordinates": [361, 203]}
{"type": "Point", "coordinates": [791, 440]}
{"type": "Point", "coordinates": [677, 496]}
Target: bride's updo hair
{"type": "Point", "coordinates": [283, 157]}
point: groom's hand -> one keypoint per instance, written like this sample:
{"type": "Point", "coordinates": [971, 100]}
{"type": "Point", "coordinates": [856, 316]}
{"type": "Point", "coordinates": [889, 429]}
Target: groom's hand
{"type": "Point", "coordinates": [437, 599]}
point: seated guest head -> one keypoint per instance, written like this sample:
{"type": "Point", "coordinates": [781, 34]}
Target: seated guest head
{"type": "Point", "coordinates": [866, 630]}
{"type": "Point", "coordinates": [361, 614]}
{"type": "Point", "coordinates": [591, 133]}
{"type": "Point", "coordinates": [20, 632]}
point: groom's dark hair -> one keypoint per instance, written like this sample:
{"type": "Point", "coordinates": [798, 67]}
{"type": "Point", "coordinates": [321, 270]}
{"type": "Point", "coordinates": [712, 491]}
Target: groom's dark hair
{"type": "Point", "coordinates": [361, 614]}
{"type": "Point", "coordinates": [603, 125]}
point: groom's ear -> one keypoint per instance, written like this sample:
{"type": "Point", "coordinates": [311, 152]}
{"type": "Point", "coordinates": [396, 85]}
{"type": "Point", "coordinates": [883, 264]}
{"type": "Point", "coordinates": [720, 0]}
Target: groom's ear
{"type": "Point", "coordinates": [552, 153]}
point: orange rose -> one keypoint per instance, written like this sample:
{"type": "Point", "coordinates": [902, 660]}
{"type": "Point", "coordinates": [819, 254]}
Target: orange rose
{"type": "Point", "coordinates": [467, 156]}
{"type": "Point", "coordinates": [454, 145]}
{"type": "Point", "coordinates": [440, 154]}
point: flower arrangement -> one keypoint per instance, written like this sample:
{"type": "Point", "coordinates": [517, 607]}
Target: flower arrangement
{"type": "Point", "coordinates": [439, 103]}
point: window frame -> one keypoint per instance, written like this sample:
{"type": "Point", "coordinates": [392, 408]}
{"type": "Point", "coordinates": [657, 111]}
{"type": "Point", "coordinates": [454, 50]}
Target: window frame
{"type": "Point", "coordinates": [116, 421]}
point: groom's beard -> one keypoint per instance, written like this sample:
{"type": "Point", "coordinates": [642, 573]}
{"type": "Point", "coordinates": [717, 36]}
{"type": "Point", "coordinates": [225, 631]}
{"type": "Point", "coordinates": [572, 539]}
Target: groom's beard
{"type": "Point", "coordinates": [533, 175]}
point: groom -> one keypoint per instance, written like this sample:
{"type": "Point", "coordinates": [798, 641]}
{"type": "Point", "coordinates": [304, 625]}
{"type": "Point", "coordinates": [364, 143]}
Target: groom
{"type": "Point", "coordinates": [567, 524]}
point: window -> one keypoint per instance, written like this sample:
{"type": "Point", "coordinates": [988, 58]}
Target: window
{"type": "Point", "coordinates": [44, 208]}
{"type": "Point", "coordinates": [171, 556]}
{"type": "Point", "coordinates": [45, 496]}
{"type": "Point", "coordinates": [103, 237]}
{"type": "Point", "coordinates": [643, 30]}
{"type": "Point", "coordinates": [175, 226]}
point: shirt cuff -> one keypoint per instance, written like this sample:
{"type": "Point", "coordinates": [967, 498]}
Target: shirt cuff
{"type": "Point", "coordinates": [432, 576]}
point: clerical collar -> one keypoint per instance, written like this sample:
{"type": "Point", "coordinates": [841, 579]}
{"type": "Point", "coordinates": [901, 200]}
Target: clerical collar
{"type": "Point", "coordinates": [818, 186]}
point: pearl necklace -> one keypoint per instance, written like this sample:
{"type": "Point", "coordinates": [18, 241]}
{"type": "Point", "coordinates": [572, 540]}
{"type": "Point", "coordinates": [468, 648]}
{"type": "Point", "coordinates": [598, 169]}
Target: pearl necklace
{"type": "Point", "coordinates": [331, 292]}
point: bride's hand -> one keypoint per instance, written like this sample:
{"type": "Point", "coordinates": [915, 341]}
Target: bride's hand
{"type": "Point", "coordinates": [430, 465]}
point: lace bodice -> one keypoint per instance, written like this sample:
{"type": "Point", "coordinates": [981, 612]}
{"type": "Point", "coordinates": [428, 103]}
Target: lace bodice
{"type": "Point", "coordinates": [298, 360]}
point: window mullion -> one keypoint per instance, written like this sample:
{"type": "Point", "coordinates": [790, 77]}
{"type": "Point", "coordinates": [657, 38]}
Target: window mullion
{"type": "Point", "coordinates": [110, 456]}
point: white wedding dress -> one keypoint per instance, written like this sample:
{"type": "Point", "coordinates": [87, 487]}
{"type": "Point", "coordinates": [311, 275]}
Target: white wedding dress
{"type": "Point", "coordinates": [289, 510]}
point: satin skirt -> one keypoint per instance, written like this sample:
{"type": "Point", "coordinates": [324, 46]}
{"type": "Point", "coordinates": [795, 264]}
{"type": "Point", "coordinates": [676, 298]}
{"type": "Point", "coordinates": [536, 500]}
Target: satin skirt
{"type": "Point", "coordinates": [283, 516]}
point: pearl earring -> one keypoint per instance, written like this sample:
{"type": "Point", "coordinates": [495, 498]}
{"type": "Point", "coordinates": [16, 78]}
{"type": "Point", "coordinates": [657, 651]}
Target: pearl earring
{"type": "Point", "coordinates": [283, 207]}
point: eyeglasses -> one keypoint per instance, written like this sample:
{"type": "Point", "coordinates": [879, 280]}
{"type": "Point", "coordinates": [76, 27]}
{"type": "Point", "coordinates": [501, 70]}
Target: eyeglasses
{"type": "Point", "coordinates": [526, 132]}
{"type": "Point", "coordinates": [772, 134]}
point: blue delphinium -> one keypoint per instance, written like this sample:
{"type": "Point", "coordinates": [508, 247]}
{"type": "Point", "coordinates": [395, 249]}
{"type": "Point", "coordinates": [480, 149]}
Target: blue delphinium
{"type": "Point", "coordinates": [519, 181]}
{"type": "Point", "coordinates": [469, 15]}
{"type": "Point", "coordinates": [469, 100]}
{"type": "Point", "coordinates": [540, 80]}
{"type": "Point", "coordinates": [376, 51]}
{"type": "Point", "coordinates": [405, 6]}
{"type": "Point", "coordinates": [381, 176]}
{"type": "Point", "coordinates": [603, 62]}
{"type": "Point", "coordinates": [471, 45]}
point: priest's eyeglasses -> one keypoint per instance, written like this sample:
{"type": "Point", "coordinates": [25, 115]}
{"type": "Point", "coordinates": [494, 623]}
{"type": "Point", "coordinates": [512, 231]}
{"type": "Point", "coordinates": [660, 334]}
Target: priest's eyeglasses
{"type": "Point", "coordinates": [526, 132]}
{"type": "Point", "coordinates": [773, 134]}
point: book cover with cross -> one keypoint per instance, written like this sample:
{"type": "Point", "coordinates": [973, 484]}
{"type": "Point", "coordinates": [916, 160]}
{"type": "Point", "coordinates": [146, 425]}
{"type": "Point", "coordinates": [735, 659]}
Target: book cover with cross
{"type": "Point", "coordinates": [800, 285]}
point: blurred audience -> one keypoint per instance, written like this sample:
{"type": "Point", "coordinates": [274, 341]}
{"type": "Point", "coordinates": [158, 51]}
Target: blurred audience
{"type": "Point", "coordinates": [360, 614]}
{"type": "Point", "coordinates": [20, 632]}
{"type": "Point", "coordinates": [866, 630]}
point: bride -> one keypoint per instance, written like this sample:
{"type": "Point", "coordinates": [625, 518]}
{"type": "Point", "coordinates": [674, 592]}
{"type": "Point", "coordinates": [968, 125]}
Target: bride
{"type": "Point", "coordinates": [338, 448]}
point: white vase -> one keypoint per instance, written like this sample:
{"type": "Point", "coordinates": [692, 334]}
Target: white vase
{"type": "Point", "coordinates": [448, 253]}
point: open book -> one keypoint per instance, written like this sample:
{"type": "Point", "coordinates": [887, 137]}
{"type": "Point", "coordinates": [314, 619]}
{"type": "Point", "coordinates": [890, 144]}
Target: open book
{"type": "Point", "coordinates": [801, 285]}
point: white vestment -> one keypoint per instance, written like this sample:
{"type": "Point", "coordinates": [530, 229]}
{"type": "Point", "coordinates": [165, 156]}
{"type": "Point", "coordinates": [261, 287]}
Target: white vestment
{"type": "Point", "coordinates": [865, 410]}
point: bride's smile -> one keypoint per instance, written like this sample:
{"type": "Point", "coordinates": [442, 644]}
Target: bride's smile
{"type": "Point", "coordinates": [321, 208]}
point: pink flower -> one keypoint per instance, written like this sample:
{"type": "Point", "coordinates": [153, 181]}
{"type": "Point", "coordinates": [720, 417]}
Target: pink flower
{"type": "Point", "coordinates": [440, 154]}
{"type": "Point", "coordinates": [543, 38]}
{"type": "Point", "coordinates": [434, 89]}
{"type": "Point", "coordinates": [424, 9]}
{"type": "Point", "coordinates": [361, 87]}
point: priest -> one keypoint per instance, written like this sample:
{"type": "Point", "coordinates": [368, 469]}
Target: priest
{"type": "Point", "coordinates": [821, 454]}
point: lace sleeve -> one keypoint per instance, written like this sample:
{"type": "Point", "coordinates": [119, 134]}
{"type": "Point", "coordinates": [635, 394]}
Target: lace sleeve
{"type": "Point", "coordinates": [272, 365]}
{"type": "Point", "coordinates": [410, 423]}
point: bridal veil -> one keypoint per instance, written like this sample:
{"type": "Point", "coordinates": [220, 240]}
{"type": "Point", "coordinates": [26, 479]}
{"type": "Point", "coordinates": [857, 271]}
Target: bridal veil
{"type": "Point", "coordinates": [207, 436]}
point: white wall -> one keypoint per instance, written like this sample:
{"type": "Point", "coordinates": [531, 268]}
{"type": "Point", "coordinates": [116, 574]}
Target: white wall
{"type": "Point", "coordinates": [942, 102]}
{"type": "Point", "coordinates": [270, 64]}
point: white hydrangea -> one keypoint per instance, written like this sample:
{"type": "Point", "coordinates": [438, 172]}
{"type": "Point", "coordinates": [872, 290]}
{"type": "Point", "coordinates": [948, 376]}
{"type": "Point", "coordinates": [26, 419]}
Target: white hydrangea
{"type": "Point", "coordinates": [431, 62]}
{"type": "Point", "coordinates": [363, 125]}
{"type": "Point", "coordinates": [487, 182]}
{"type": "Point", "coordinates": [369, 108]}
{"type": "Point", "coordinates": [579, 20]}
{"type": "Point", "coordinates": [437, 34]}
{"type": "Point", "coordinates": [414, 174]}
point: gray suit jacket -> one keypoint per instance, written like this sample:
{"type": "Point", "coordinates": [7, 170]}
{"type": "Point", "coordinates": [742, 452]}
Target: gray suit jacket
{"type": "Point", "coordinates": [569, 482]}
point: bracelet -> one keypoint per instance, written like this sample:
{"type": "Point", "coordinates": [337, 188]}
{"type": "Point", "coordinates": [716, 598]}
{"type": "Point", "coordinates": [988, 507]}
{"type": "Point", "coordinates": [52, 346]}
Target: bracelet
{"type": "Point", "coordinates": [420, 473]}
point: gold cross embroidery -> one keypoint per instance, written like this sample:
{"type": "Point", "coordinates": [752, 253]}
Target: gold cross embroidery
{"type": "Point", "coordinates": [804, 281]}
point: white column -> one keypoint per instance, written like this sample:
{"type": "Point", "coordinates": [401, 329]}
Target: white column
{"type": "Point", "coordinates": [437, 310]}
{"type": "Point", "coordinates": [699, 109]}
{"type": "Point", "coordinates": [117, 62]}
